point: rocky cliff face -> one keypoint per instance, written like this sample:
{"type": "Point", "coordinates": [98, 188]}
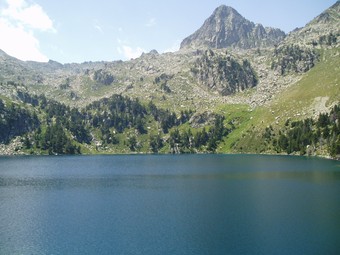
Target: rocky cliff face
{"type": "Point", "coordinates": [227, 28]}
{"type": "Point", "coordinates": [293, 58]}
{"type": "Point", "coordinates": [221, 72]}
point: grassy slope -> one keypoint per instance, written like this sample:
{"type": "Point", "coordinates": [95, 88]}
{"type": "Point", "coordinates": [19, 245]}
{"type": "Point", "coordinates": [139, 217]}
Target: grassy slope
{"type": "Point", "coordinates": [297, 102]}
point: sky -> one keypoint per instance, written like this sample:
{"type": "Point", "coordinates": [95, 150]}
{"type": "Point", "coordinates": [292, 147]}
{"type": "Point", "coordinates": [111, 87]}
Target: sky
{"type": "Point", "coordinates": [75, 31]}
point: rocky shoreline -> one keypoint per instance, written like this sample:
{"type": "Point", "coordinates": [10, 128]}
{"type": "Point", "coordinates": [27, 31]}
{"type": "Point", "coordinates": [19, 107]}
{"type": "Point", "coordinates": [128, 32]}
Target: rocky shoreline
{"type": "Point", "coordinates": [15, 147]}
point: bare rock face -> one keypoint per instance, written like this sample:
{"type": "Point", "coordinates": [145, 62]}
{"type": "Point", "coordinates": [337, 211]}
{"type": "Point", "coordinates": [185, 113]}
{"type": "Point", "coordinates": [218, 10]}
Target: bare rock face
{"type": "Point", "coordinates": [223, 73]}
{"type": "Point", "coordinates": [227, 28]}
{"type": "Point", "coordinates": [201, 119]}
{"type": "Point", "coordinates": [293, 58]}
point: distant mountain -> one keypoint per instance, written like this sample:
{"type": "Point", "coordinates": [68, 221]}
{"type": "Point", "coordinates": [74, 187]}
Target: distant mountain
{"type": "Point", "coordinates": [321, 31]}
{"type": "Point", "coordinates": [227, 28]}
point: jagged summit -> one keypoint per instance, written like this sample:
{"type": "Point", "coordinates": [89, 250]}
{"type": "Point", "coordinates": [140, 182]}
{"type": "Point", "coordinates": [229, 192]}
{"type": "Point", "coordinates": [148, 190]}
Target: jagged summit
{"type": "Point", "coordinates": [227, 28]}
{"type": "Point", "coordinates": [226, 11]}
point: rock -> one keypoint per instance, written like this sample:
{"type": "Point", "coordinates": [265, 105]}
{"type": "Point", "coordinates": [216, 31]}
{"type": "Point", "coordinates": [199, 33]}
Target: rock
{"type": "Point", "coordinates": [227, 28]}
{"type": "Point", "coordinates": [202, 119]}
{"type": "Point", "coordinates": [223, 73]}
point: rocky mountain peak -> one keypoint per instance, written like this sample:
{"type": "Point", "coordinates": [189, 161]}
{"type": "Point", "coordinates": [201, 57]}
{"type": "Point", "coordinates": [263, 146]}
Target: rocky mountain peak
{"type": "Point", "coordinates": [227, 28]}
{"type": "Point", "coordinates": [226, 11]}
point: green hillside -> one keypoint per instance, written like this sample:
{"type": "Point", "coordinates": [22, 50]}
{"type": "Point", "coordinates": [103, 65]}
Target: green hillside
{"type": "Point", "coordinates": [316, 92]}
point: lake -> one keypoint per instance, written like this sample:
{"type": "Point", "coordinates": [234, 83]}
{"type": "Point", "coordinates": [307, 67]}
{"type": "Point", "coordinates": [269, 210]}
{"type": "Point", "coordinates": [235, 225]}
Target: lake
{"type": "Point", "coordinates": [165, 204]}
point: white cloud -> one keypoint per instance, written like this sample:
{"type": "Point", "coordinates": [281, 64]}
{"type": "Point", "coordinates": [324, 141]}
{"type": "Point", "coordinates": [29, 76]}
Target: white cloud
{"type": "Point", "coordinates": [175, 47]}
{"type": "Point", "coordinates": [151, 22]}
{"type": "Point", "coordinates": [17, 25]}
{"type": "Point", "coordinates": [19, 43]}
{"type": "Point", "coordinates": [32, 16]}
{"type": "Point", "coordinates": [130, 53]}
{"type": "Point", "coordinates": [97, 26]}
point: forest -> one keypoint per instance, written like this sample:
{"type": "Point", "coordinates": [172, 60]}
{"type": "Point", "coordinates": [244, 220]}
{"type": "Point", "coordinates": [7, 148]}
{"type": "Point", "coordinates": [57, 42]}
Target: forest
{"type": "Point", "coordinates": [305, 136]}
{"type": "Point", "coordinates": [62, 130]}
{"type": "Point", "coordinates": [50, 127]}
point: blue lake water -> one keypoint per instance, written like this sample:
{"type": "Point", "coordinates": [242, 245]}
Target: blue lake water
{"type": "Point", "coordinates": [190, 204]}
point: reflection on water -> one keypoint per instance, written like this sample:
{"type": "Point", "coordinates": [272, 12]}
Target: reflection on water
{"type": "Point", "coordinates": [203, 204]}
{"type": "Point", "coordinates": [116, 181]}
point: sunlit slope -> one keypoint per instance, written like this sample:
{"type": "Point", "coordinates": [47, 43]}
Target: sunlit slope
{"type": "Point", "coordinates": [317, 91]}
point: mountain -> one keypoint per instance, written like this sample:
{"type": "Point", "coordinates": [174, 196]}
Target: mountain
{"type": "Point", "coordinates": [323, 30]}
{"type": "Point", "coordinates": [227, 28]}
{"type": "Point", "coordinates": [279, 94]}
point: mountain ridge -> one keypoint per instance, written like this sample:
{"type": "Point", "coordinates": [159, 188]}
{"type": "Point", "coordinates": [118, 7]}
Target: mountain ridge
{"type": "Point", "coordinates": [227, 28]}
{"type": "Point", "coordinates": [314, 33]}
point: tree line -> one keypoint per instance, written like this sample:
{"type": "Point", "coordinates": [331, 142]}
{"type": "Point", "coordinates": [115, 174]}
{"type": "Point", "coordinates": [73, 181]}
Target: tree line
{"type": "Point", "coordinates": [52, 127]}
{"type": "Point", "coordinates": [308, 135]}
{"type": "Point", "coordinates": [15, 121]}
{"type": "Point", "coordinates": [191, 141]}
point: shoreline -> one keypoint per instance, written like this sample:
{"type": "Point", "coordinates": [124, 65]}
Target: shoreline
{"type": "Point", "coordinates": [20, 153]}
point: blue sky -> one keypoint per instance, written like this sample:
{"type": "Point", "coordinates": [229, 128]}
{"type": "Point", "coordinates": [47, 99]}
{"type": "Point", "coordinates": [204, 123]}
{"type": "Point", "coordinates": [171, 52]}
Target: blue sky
{"type": "Point", "coordinates": [83, 30]}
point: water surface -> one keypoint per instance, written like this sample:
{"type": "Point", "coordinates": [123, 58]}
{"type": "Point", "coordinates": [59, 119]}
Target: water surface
{"type": "Point", "coordinates": [190, 204]}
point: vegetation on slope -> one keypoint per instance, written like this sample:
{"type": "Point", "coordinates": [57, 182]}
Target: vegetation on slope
{"type": "Point", "coordinates": [117, 124]}
{"type": "Point", "coordinates": [15, 121]}
{"type": "Point", "coordinates": [317, 92]}
{"type": "Point", "coordinates": [308, 135]}
{"type": "Point", "coordinates": [124, 125]}
{"type": "Point", "coordinates": [293, 58]}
